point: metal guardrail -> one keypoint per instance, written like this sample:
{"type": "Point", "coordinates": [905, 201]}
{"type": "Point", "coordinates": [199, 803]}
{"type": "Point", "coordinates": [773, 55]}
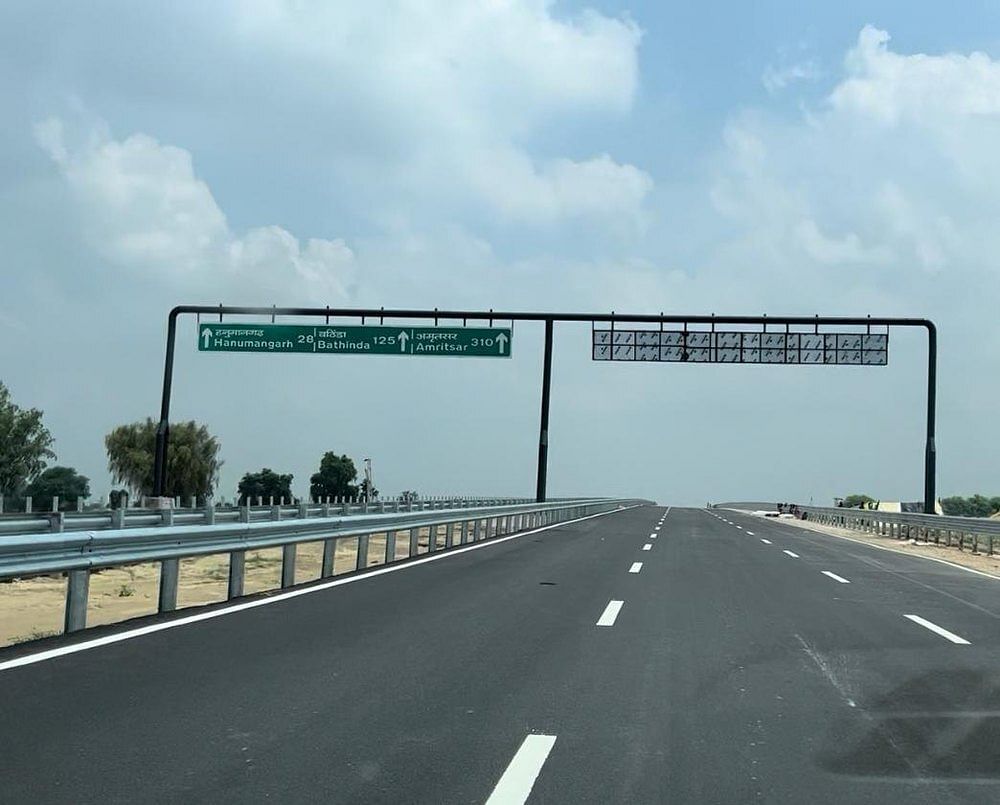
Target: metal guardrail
{"type": "Point", "coordinates": [77, 554]}
{"type": "Point", "coordinates": [42, 522]}
{"type": "Point", "coordinates": [964, 533]}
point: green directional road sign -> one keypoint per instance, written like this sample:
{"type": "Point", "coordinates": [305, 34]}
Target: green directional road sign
{"type": "Point", "coordinates": [333, 339]}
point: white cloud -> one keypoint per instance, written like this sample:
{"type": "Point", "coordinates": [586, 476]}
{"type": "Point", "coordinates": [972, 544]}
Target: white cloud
{"type": "Point", "coordinates": [436, 103]}
{"type": "Point", "coordinates": [890, 87]}
{"type": "Point", "coordinates": [776, 79]}
{"type": "Point", "coordinates": [901, 197]}
{"type": "Point", "coordinates": [142, 206]}
{"type": "Point", "coordinates": [560, 188]}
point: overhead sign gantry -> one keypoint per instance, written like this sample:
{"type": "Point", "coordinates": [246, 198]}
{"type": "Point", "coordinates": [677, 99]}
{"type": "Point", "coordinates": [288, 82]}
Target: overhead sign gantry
{"type": "Point", "coordinates": [771, 340]}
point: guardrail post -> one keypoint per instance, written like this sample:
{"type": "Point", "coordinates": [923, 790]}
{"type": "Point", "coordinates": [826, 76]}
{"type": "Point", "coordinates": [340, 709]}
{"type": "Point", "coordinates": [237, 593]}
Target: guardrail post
{"type": "Point", "coordinates": [237, 572]}
{"type": "Point", "coordinates": [27, 504]}
{"type": "Point", "coordinates": [118, 518]}
{"type": "Point", "coordinates": [275, 512]}
{"type": "Point", "coordinates": [1, 504]}
{"type": "Point", "coordinates": [169, 571]}
{"type": "Point", "coordinates": [432, 538]}
{"type": "Point", "coordinates": [390, 546]}
{"type": "Point", "coordinates": [329, 553]}
{"type": "Point", "coordinates": [55, 503]}
{"type": "Point", "coordinates": [381, 507]}
{"type": "Point", "coordinates": [361, 561]}
{"type": "Point", "coordinates": [209, 512]}
{"type": "Point", "coordinates": [303, 510]}
{"type": "Point", "coordinates": [77, 590]}
{"type": "Point", "coordinates": [449, 535]}
{"type": "Point", "coordinates": [345, 507]}
{"type": "Point", "coordinates": [464, 532]}
{"type": "Point", "coordinates": [414, 535]}
{"type": "Point", "coordinates": [167, 517]}
{"type": "Point", "coordinates": [56, 521]}
{"type": "Point", "coordinates": [288, 565]}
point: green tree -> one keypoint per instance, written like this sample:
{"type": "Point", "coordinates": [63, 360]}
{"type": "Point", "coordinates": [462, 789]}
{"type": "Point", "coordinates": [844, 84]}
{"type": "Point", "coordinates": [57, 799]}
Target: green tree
{"type": "Point", "coordinates": [409, 496]}
{"type": "Point", "coordinates": [974, 506]}
{"type": "Point", "coordinates": [265, 484]}
{"type": "Point", "coordinates": [25, 444]}
{"type": "Point", "coordinates": [367, 491]}
{"type": "Point", "coordinates": [64, 482]}
{"type": "Point", "coordinates": [854, 501]}
{"type": "Point", "coordinates": [335, 478]}
{"type": "Point", "coordinates": [192, 458]}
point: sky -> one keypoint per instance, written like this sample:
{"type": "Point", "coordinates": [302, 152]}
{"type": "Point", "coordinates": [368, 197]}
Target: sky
{"type": "Point", "coordinates": [772, 158]}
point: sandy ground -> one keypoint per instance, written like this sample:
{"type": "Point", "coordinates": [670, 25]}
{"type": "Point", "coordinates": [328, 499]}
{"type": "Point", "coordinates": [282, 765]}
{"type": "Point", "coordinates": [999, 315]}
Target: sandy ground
{"type": "Point", "coordinates": [977, 561]}
{"type": "Point", "coordinates": [33, 607]}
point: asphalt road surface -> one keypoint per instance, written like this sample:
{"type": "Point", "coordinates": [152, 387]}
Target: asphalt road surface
{"type": "Point", "coordinates": [713, 658]}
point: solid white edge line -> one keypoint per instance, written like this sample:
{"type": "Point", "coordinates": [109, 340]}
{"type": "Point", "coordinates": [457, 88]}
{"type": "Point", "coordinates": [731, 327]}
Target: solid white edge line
{"type": "Point", "coordinates": [610, 613]}
{"type": "Point", "coordinates": [765, 541]}
{"type": "Point", "coordinates": [118, 637]}
{"type": "Point", "coordinates": [835, 577]}
{"type": "Point", "coordinates": [648, 546]}
{"type": "Point", "coordinates": [636, 567]}
{"type": "Point", "coordinates": [954, 638]}
{"type": "Point", "coordinates": [516, 783]}
{"type": "Point", "coordinates": [793, 555]}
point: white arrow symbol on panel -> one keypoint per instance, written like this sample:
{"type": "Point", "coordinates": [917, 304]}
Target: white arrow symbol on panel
{"type": "Point", "coordinates": [403, 337]}
{"type": "Point", "coordinates": [205, 335]}
{"type": "Point", "coordinates": [502, 341]}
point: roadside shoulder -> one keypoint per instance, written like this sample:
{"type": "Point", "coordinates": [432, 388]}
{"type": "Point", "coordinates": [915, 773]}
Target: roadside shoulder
{"type": "Point", "coordinates": [980, 564]}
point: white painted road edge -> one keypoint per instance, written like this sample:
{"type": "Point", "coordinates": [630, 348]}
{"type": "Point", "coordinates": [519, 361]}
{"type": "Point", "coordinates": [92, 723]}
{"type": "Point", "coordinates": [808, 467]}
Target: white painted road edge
{"type": "Point", "coordinates": [610, 613]}
{"type": "Point", "coordinates": [516, 783]}
{"type": "Point", "coordinates": [793, 555]}
{"type": "Point", "coordinates": [835, 577]}
{"type": "Point", "coordinates": [118, 637]}
{"type": "Point", "coordinates": [954, 638]}
{"type": "Point", "coordinates": [636, 567]}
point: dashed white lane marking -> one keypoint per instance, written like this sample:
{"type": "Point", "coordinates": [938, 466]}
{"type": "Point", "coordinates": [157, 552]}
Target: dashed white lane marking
{"type": "Point", "coordinates": [648, 546]}
{"type": "Point", "coordinates": [835, 577]}
{"type": "Point", "coordinates": [516, 783]}
{"type": "Point", "coordinates": [636, 567]}
{"type": "Point", "coordinates": [954, 638]}
{"type": "Point", "coordinates": [765, 541]}
{"type": "Point", "coordinates": [652, 536]}
{"type": "Point", "coordinates": [740, 527]}
{"type": "Point", "coordinates": [793, 555]}
{"type": "Point", "coordinates": [750, 533]}
{"type": "Point", "coordinates": [610, 613]}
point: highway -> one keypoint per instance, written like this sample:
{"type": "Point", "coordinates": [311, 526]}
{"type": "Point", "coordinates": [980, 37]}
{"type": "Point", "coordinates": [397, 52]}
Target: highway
{"type": "Point", "coordinates": [645, 656]}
